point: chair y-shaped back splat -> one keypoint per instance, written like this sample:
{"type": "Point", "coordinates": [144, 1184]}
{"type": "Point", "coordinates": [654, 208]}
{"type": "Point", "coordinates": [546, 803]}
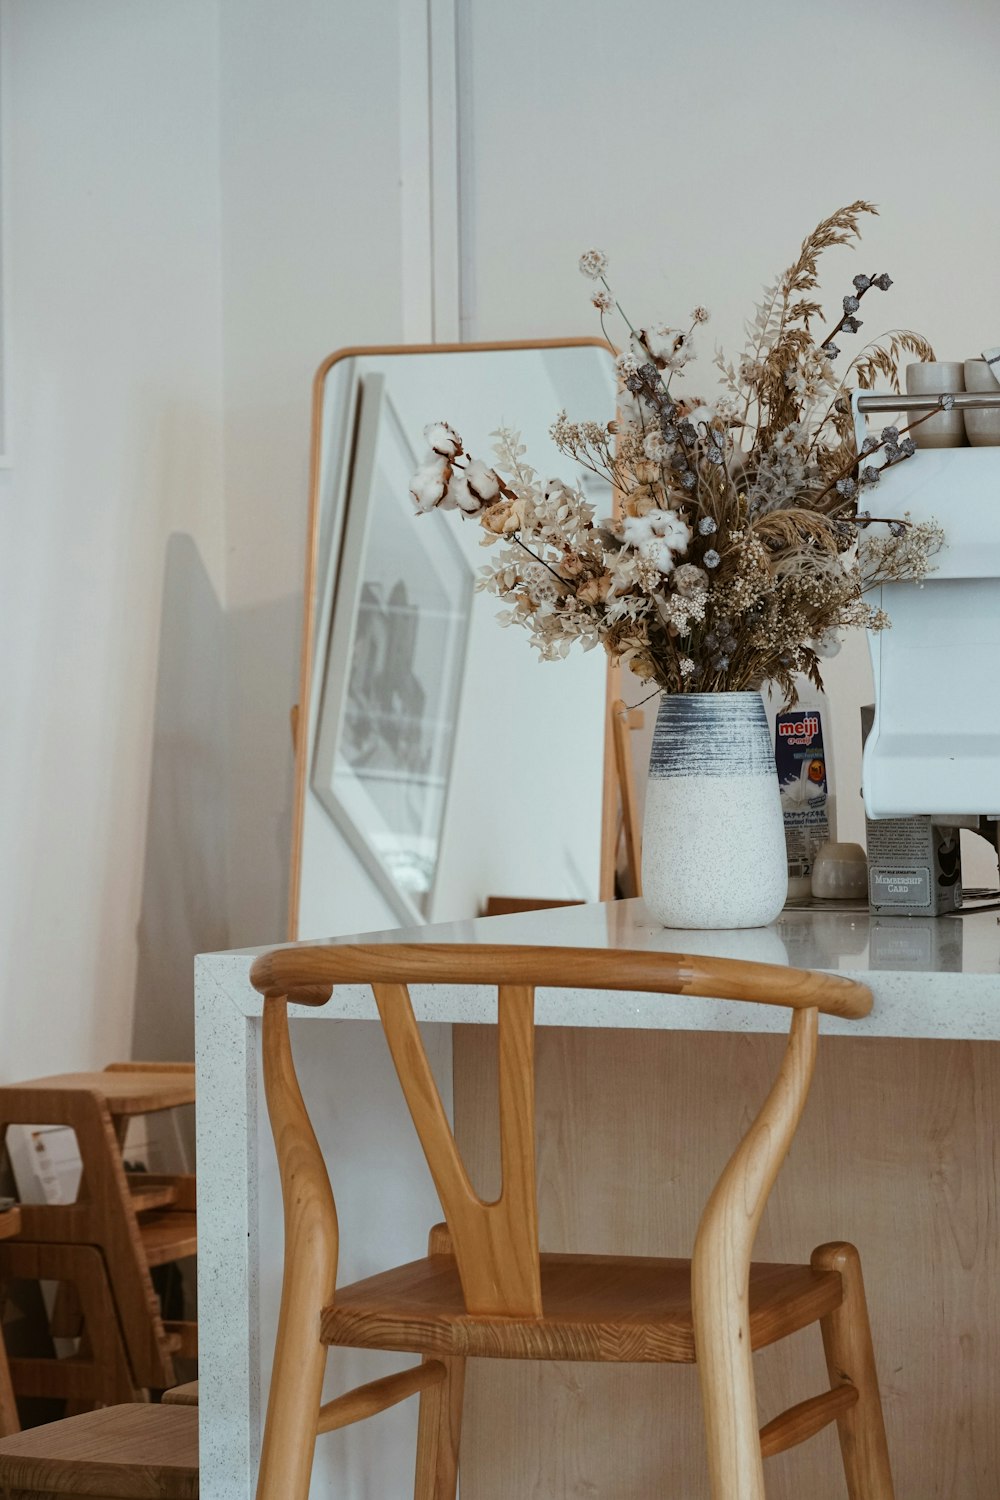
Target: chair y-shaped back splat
{"type": "Point", "coordinates": [496, 1244]}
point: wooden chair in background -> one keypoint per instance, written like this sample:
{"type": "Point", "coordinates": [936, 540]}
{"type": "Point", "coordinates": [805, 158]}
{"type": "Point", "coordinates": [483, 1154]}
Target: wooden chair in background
{"type": "Point", "coordinates": [506, 906]}
{"type": "Point", "coordinates": [133, 1222]}
{"type": "Point", "coordinates": [485, 1291]}
{"type": "Point", "coordinates": [624, 721]}
{"type": "Point", "coordinates": [97, 1373]}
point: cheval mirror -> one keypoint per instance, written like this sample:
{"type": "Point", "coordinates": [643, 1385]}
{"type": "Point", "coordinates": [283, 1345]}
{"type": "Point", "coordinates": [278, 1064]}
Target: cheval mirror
{"type": "Point", "coordinates": [439, 763]}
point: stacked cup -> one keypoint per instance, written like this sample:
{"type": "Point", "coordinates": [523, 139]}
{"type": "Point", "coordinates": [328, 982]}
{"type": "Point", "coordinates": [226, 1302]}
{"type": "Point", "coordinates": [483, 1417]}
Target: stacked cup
{"type": "Point", "coordinates": [954, 429]}
{"type": "Point", "coordinates": [982, 427]}
{"type": "Point", "coordinates": [945, 429]}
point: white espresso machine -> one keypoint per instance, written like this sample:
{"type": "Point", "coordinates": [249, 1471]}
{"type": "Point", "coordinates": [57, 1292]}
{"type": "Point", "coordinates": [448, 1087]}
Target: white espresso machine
{"type": "Point", "coordinates": [934, 747]}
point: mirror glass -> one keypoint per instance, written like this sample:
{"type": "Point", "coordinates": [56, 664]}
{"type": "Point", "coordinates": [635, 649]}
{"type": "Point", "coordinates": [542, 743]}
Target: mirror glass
{"type": "Point", "coordinates": [440, 763]}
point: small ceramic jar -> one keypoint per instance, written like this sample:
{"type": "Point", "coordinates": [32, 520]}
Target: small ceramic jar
{"type": "Point", "coordinates": [938, 376]}
{"type": "Point", "coordinates": [840, 873]}
{"type": "Point", "coordinates": [982, 428]}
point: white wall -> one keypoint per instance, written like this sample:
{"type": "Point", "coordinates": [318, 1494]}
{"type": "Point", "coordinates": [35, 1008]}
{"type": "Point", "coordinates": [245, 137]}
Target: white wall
{"type": "Point", "coordinates": [698, 145]}
{"type": "Point", "coordinates": [110, 527]}
{"type": "Point", "coordinates": [311, 262]}
{"type": "Point", "coordinates": [695, 144]}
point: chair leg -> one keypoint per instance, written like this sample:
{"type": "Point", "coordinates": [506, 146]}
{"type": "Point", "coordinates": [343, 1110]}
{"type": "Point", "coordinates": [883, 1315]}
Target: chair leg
{"type": "Point", "coordinates": [9, 1421]}
{"type": "Point", "coordinates": [850, 1359]}
{"type": "Point", "coordinates": [439, 1434]}
{"type": "Point", "coordinates": [290, 1427]}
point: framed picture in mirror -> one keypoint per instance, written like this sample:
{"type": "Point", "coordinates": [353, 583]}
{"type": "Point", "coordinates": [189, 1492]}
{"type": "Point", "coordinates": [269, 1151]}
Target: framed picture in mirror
{"type": "Point", "coordinates": [394, 660]}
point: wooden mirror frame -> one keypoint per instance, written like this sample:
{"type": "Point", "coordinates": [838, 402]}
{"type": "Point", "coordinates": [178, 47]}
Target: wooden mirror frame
{"type": "Point", "coordinates": [301, 711]}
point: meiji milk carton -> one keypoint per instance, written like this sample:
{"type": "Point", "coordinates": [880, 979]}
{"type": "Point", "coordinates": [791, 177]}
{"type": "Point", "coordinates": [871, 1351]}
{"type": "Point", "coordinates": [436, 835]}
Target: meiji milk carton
{"type": "Point", "coordinates": [803, 776]}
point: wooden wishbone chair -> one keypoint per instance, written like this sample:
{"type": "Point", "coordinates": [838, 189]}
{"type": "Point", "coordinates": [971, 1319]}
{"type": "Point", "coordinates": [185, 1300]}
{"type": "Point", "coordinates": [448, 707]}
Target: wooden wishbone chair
{"type": "Point", "coordinates": [484, 1290]}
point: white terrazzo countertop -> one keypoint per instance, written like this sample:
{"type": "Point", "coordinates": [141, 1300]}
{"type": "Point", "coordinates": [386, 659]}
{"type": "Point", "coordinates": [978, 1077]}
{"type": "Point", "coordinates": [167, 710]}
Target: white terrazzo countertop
{"type": "Point", "coordinates": [931, 977]}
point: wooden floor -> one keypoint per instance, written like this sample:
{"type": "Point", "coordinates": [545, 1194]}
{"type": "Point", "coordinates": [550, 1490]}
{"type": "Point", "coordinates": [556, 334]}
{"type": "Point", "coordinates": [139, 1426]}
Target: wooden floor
{"type": "Point", "coordinates": [897, 1152]}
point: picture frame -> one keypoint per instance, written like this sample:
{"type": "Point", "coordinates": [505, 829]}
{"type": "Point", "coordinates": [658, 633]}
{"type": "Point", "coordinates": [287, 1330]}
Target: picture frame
{"type": "Point", "coordinates": [394, 661]}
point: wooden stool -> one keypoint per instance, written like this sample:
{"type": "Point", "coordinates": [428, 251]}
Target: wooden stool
{"type": "Point", "coordinates": [136, 1220]}
{"type": "Point", "coordinates": [120, 1453]}
{"type": "Point", "coordinates": [98, 1374]}
{"type": "Point", "coordinates": [484, 1290]}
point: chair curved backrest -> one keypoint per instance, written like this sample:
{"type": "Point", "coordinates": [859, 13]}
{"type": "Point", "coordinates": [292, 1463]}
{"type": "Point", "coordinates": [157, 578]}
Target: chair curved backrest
{"type": "Point", "coordinates": [496, 1243]}
{"type": "Point", "coordinates": [306, 973]}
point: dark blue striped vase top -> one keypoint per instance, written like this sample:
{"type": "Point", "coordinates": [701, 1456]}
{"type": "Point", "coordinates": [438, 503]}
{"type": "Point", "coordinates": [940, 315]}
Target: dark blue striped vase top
{"type": "Point", "coordinates": [711, 734]}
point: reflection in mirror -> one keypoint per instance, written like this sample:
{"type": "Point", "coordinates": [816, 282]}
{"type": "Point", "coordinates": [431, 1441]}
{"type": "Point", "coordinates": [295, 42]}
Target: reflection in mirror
{"type": "Point", "coordinates": [439, 763]}
{"type": "Point", "coordinates": [394, 661]}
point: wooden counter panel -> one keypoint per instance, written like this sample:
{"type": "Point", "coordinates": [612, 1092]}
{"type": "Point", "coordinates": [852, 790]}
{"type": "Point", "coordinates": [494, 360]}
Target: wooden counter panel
{"type": "Point", "coordinates": [896, 1152]}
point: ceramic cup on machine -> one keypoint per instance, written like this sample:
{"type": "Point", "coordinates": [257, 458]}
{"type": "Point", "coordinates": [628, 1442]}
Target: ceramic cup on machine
{"type": "Point", "coordinates": [982, 428]}
{"type": "Point", "coordinates": [945, 429]}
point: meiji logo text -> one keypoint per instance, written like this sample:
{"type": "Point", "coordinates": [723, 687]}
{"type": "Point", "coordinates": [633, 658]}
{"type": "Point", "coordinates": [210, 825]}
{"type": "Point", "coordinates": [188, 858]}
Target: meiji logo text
{"type": "Point", "coordinates": [800, 731]}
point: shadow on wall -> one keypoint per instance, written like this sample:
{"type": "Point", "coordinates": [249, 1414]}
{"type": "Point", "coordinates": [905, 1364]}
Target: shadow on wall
{"type": "Point", "coordinates": [263, 667]}
{"type": "Point", "coordinates": [184, 909]}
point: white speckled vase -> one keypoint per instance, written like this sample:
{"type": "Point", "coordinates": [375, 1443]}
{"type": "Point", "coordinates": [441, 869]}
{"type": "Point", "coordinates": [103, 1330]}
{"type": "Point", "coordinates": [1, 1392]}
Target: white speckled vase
{"type": "Point", "coordinates": [713, 840]}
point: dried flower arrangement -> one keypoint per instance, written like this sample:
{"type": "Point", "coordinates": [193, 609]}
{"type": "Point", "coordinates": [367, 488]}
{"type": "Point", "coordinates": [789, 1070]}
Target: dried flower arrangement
{"type": "Point", "coordinates": [741, 545]}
